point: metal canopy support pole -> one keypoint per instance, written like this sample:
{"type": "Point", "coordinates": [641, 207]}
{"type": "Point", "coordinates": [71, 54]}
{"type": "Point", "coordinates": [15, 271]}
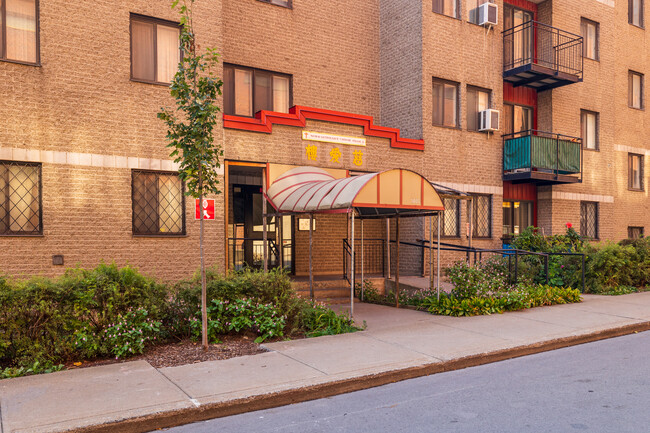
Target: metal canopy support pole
{"type": "Point", "coordinates": [311, 260]}
{"type": "Point", "coordinates": [431, 253]}
{"type": "Point", "coordinates": [279, 220]}
{"type": "Point", "coordinates": [438, 260]}
{"type": "Point", "coordinates": [265, 241]}
{"type": "Point", "coordinates": [397, 264]}
{"type": "Point", "coordinates": [388, 248]}
{"type": "Point", "coordinates": [352, 264]}
{"type": "Point", "coordinates": [362, 274]}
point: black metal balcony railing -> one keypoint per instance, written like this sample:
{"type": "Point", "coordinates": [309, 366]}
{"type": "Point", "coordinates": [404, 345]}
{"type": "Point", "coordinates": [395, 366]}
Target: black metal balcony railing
{"type": "Point", "coordinates": [540, 56]}
{"type": "Point", "coordinates": [542, 157]}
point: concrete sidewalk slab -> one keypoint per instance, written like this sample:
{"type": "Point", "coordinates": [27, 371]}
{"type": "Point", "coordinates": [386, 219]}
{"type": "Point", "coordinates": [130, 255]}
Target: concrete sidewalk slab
{"type": "Point", "coordinates": [91, 396]}
{"type": "Point", "coordinates": [572, 316]}
{"type": "Point", "coordinates": [340, 354]}
{"type": "Point", "coordinates": [214, 381]}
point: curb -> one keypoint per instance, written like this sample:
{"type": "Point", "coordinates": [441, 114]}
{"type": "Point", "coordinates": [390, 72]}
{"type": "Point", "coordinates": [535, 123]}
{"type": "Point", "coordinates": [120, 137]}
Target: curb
{"type": "Point", "coordinates": [283, 398]}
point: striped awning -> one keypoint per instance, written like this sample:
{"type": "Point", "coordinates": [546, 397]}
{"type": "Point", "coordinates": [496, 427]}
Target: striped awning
{"type": "Point", "coordinates": [391, 192]}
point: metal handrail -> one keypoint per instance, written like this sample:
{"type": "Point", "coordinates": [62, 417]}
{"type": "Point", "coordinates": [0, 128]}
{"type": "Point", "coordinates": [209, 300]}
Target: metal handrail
{"type": "Point", "coordinates": [545, 45]}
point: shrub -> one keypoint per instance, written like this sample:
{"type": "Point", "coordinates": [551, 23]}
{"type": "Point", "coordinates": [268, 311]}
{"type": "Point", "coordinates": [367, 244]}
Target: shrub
{"type": "Point", "coordinates": [131, 332]}
{"type": "Point", "coordinates": [469, 281]}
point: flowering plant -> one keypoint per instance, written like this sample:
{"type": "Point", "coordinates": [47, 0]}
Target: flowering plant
{"type": "Point", "coordinates": [131, 332]}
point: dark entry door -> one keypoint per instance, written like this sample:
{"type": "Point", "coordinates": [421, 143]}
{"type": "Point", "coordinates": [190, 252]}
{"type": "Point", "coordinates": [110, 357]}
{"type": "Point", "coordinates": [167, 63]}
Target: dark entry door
{"type": "Point", "coordinates": [248, 215]}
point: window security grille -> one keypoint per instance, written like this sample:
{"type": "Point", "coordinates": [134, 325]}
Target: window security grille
{"type": "Point", "coordinates": [482, 216]}
{"type": "Point", "coordinates": [20, 199]}
{"type": "Point", "coordinates": [589, 219]}
{"type": "Point", "coordinates": [158, 204]}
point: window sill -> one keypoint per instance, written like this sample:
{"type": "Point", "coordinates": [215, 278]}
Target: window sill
{"type": "Point", "coordinates": [448, 16]}
{"type": "Point", "coordinates": [155, 83]}
{"type": "Point", "coordinates": [636, 189]}
{"type": "Point", "coordinates": [636, 108]}
{"type": "Point", "coordinates": [591, 150]}
{"type": "Point", "coordinates": [289, 6]}
{"type": "Point", "coordinates": [26, 235]}
{"type": "Point", "coordinates": [457, 128]}
{"type": "Point", "coordinates": [593, 60]}
{"type": "Point", "coordinates": [18, 62]}
{"type": "Point", "coordinates": [637, 26]}
{"type": "Point", "coordinates": [161, 236]}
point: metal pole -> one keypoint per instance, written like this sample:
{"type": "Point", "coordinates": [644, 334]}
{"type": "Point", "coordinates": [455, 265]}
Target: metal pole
{"type": "Point", "coordinates": [438, 260]}
{"type": "Point", "coordinates": [352, 265]}
{"type": "Point", "coordinates": [471, 223]}
{"type": "Point", "coordinates": [265, 241]}
{"type": "Point", "coordinates": [362, 275]}
{"type": "Point", "coordinates": [280, 220]}
{"type": "Point", "coordinates": [583, 273]}
{"type": "Point", "coordinates": [397, 264]}
{"type": "Point", "coordinates": [388, 248]}
{"type": "Point", "coordinates": [311, 259]}
{"type": "Point", "coordinates": [430, 253]}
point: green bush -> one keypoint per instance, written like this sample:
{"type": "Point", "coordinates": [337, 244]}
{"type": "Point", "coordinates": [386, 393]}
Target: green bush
{"type": "Point", "coordinates": [316, 319]}
{"type": "Point", "coordinates": [521, 297]}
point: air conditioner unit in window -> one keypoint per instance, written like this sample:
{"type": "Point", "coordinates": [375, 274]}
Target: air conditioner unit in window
{"type": "Point", "coordinates": [488, 120]}
{"type": "Point", "coordinates": [488, 14]}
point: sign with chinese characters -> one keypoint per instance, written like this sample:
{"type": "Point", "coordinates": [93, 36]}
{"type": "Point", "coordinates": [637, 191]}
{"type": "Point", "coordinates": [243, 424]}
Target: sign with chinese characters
{"type": "Point", "coordinates": [333, 138]}
{"type": "Point", "coordinates": [331, 155]}
{"type": "Point", "coordinates": [207, 209]}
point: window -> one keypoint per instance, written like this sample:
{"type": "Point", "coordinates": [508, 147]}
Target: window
{"type": "Point", "coordinates": [589, 128]}
{"type": "Point", "coordinates": [20, 198]}
{"type": "Point", "coordinates": [517, 216]}
{"type": "Point", "coordinates": [158, 203]}
{"type": "Point", "coordinates": [635, 232]}
{"type": "Point", "coordinates": [472, 9]}
{"type": "Point", "coordinates": [247, 91]}
{"type": "Point", "coordinates": [477, 101]}
{"type": "Point", "coordinates": [520, 47]}
{"type": "Point", "coordinates": [446, 7]}
{"type": "Point", "coordinates": [635, 86]}
{"type": "Point", "coordinates": [635, 12]}
{"type": "Point", "coordinates": [284, 3]}
{"type": "Point", "coordinates": [445, 103]}
{"type": "Point", "coordinates": [155, 50]}
{"type": "Point", "coordinates": [450, 223]}
{"type": "Point", "coordinates": [517, 118]}
{"type": "Point", "coordinates": [589, 30]}
{"type": "Point", "coordinates": [589, 219]}
{"type": "Point", "coordinates": [19, 31]}
{"type": "Point", "coordinates": [482, 216]}
{"type": "Point", "coordinates": [635, 172]}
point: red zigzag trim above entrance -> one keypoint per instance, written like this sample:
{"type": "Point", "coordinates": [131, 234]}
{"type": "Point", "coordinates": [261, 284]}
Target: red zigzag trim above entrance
{"type": "Point", "coordinates": [297, 116]}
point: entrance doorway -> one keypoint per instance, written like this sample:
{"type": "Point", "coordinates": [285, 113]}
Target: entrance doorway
{"type": "Point", "coordinates": [245, 224]}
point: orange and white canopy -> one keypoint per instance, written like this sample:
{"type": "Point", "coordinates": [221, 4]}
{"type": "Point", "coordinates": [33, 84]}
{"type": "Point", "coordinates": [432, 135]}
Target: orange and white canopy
{"type": "Point", "coordinates": [388, 193]}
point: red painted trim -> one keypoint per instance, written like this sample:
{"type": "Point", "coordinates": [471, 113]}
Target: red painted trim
{"type": "Point", "coordinates": [524, 4]}
{"type": "Point", "coordinates": [298, 115]}
{"type": "Point", "coordinates": [523, 192]}
{"type": "Point", "coordinates": [521, 96]}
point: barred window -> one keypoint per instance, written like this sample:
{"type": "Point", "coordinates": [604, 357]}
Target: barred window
{"type": "Point", "coordinates": [450, 222]}
{"type": "Point", "coordinates": [20, 199]}
{"type": "Point", "coordinates": [589, 219]}
{"type": "Point", "coordinates": [158, 204]}
{"type": "Point", "coordinates": [482, 216]}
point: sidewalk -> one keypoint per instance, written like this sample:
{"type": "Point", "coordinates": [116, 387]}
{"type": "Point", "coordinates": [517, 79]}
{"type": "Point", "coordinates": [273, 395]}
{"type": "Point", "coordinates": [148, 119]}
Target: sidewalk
{"type": "Point", "coordinates": [397, 344]}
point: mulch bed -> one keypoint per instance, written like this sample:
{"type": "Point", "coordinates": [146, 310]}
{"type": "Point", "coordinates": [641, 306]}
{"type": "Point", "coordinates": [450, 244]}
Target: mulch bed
{"type": "Point", "coordinates": [185, 352]}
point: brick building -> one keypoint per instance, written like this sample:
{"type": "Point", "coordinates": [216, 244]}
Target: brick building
{"type": "Point", "coordinates": [349, 86]}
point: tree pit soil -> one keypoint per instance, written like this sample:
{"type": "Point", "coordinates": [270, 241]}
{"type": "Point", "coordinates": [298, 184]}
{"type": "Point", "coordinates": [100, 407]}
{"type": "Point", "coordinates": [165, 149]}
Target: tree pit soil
{"type": "Point", "coordinates": [184, 352]}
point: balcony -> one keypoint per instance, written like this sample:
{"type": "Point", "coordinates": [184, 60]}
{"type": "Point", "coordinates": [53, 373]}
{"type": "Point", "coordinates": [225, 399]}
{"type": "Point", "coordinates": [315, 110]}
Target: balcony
{"type": "Point", "coordinates": [540, 56]}
{"type": "Point", "coordinates": [542, 157]}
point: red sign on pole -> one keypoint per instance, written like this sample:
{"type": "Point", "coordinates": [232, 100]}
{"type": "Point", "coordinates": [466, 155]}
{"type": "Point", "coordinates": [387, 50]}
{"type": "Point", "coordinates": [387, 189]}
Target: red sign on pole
{"type": "Point", "coordinates": [207, 209]}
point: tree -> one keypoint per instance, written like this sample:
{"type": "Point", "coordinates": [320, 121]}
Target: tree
{"type": "Point", "coordinates": [189, 126]}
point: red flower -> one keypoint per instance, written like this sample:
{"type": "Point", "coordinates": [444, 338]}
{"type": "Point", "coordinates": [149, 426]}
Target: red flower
{"type": "Point", "coordinates": [569, 225]}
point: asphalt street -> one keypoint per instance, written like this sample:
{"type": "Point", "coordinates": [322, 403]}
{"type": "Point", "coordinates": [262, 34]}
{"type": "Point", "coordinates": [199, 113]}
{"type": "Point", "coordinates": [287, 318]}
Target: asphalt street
{"type": "Point", "coordinates": [595, 387]}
